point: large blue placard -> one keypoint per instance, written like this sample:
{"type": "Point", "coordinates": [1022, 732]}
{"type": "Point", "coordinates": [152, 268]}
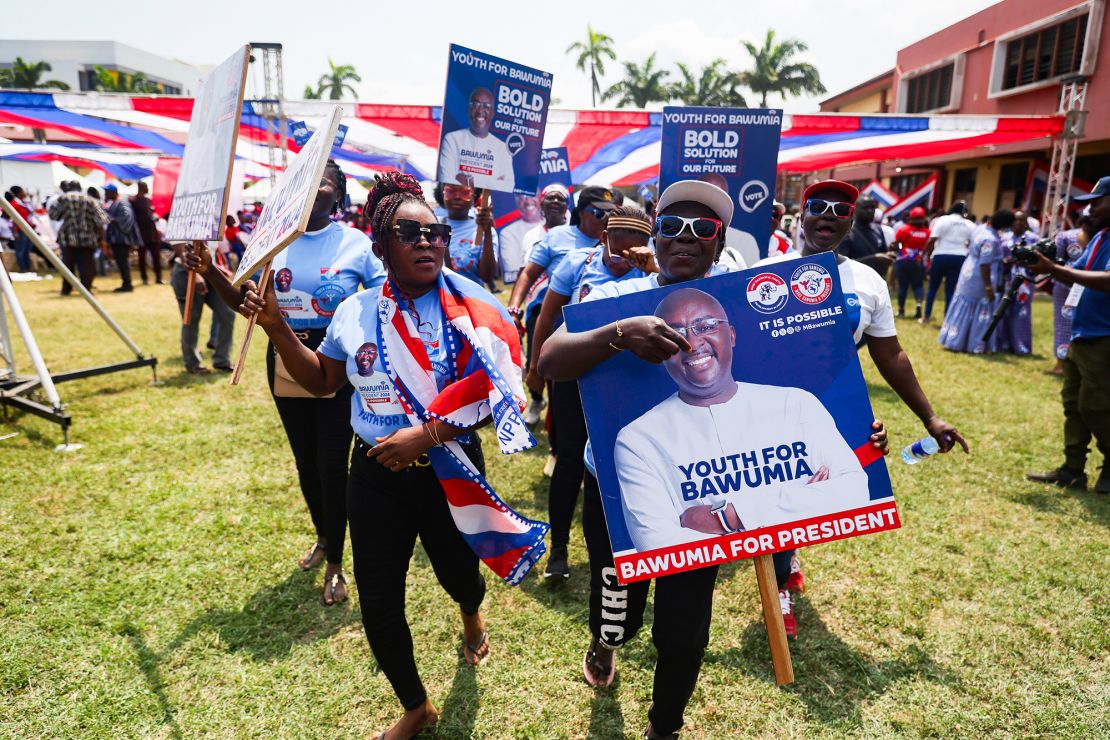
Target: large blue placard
{"type": "Point", "coordinates": [737, 150]}
{"type": "Point", "coordinates": [517, 216]}
{"type": "Point", "coordinates": [694, 472]}
{"type": "Point", "coordinates": [494, 116]}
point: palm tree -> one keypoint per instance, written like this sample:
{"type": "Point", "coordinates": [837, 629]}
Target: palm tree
{"type": "Point", "coordinates": [121, 82]}
{"type": "Point", "coordinates": [774, 70]}
{"type": "Point", "coordinates": [715, 86]}
{"type": "Point", "coordinates": [311, 93]}
{"type": "Point", "coordinates": [335, 82]}
{"type": "Point", "coordinates": [26, 76]}
{"type": "Point", "coordinates": [592, 54]}
{"type": "Point", "coordinates": [641, 85]}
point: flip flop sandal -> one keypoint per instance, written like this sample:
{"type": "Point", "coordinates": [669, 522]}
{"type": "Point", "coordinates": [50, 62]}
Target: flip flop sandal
{"type": "Point", "coordinates": [329, 590]}
{"type": "Point", "coordinates": [473, 649]}
{"type": "Point", "coordinates": [590, 658]}
{"type": "Point", "coordinates": [310, 557]}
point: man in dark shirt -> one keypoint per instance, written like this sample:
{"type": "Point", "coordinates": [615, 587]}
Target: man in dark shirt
{"type": "Point", "coordinates": [866, 243]}
{"type": "Point", "coordinates": [122, 234]}
{"type": "Point", "coordinates": [152, 243]}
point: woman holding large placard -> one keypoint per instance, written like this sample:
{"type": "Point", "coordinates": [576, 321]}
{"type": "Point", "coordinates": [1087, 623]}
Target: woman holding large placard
{"type": "Point", "coordinates": [425, 353]}
{"type": "Point", "coordinates": [318, 271]}
{"type": "Point", "coordinates": [689, 238]}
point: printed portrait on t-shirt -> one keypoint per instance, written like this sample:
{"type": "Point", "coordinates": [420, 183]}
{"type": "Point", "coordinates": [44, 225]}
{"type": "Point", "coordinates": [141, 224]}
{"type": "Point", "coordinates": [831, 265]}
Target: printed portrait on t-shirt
{"type": "Point", "coordinates": [365, 358]}
{"type": "Point", "coordinates": [283, 279]}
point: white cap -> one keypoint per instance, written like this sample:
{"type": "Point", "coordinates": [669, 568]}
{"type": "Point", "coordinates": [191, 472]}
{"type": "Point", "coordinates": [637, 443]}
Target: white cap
{"type": "Point", "coordinates": [697, 191]}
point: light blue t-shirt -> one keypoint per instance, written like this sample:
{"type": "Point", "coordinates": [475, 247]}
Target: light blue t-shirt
{"type": "Point", "coordinates": [624, 287]}
{"type": "Point", "coordinates": [465, 253]}
{"type": "Point", "coordinates": [582, 271]}
{"type": "Point", "coordinates": [352, 338]}
{"type": "Point", "coordinates": [556, 244]}
{"type": "Point", "coordinates": [320, 270]}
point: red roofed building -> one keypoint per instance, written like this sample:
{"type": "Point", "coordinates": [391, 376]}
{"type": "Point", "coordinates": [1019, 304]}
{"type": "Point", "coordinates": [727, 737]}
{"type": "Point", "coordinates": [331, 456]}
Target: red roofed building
{"type": "Point", "coordinates": [1008, 59]}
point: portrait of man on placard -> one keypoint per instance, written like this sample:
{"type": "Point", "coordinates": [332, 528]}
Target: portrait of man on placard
{"type": "Point", "coordinates": [720, 456]}
{"type": "Point", "coordinates": [473, 155]}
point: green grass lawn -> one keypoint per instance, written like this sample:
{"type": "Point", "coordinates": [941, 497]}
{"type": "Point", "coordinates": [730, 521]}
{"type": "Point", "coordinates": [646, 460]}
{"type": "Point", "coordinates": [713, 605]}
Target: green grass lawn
{"type": "Point", "coordinates": [148, 584]}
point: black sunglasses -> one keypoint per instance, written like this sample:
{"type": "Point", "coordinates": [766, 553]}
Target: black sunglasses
{"type": "Point", "coordinates": [409, 231]}
{"type": "Point", "coordinates": [597, 212]}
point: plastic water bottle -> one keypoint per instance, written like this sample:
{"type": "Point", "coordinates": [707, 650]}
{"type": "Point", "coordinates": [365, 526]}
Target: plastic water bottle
{"type": "Point", "coordinates": [922, 449]}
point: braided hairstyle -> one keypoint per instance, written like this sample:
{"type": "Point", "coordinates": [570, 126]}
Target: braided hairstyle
{"type": "Point", "coordinates": [341, 180]}
{"type": "Point", "coordinates": [391, 189]}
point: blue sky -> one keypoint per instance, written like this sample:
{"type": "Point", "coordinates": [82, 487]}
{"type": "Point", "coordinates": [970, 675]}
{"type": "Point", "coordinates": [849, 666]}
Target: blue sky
{"type": "Point", "coordinates": [400, 47]}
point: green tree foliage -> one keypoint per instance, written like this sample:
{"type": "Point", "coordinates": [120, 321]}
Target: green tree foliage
{"type": "Point", "coordinates": [775, 71]}
{"type": "Point", "coordinates": [642, 84]}
{"type": "Point", "coordinates": [121, 82]}
{"type": "Point", "coordinates": [336, 82]}
{"type": "Point", "coordinates": [591, 55]}
{"type": "Point", "coordinates": [715, 85]}
{"type": "Point", "coordinates": [28, 76]}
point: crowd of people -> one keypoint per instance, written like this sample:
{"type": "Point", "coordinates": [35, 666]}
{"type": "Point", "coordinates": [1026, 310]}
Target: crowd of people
{"type": "Point", "coordinates": [380, 327]}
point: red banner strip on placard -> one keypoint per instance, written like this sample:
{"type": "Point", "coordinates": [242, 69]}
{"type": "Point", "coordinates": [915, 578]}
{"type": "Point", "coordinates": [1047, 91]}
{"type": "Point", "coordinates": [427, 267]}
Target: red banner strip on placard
{"type": "Point", "coordinates": [764, 541]}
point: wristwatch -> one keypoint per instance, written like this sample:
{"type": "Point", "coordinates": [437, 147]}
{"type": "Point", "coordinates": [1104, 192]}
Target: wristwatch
{"type": "Point", "coordinates": [719, 512]}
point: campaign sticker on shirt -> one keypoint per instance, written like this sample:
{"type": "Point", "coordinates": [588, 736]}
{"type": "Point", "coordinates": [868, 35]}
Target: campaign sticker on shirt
{"type": "Point", "coordinates": [811, 284]}
{"type": "Point", "coordinates": [327, 298]}
{"type": "Point", "coordinates": [767, 292]}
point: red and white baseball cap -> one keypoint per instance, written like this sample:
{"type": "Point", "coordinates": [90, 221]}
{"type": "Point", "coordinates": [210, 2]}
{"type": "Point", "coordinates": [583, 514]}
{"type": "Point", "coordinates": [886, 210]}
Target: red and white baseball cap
{"type": "Point", "coordinates": [849, 192]}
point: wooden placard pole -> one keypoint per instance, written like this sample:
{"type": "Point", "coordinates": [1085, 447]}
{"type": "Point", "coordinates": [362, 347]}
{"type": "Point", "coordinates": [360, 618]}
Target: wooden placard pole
{"type": "Point", "coordinates": [267, 275]}
{"type": "Point", "coordinates": [772, 617]}
{"type": "Point", "coordinates": [483, 232]}
{"type": "Point", "coordinates": [190, 289]}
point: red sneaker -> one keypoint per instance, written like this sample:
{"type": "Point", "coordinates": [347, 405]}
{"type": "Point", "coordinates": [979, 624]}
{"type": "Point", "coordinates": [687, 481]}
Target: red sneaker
{"type": "Point", "coordinates": [796, 581]}
{"type": "Point", "coordinates": [786, 603]}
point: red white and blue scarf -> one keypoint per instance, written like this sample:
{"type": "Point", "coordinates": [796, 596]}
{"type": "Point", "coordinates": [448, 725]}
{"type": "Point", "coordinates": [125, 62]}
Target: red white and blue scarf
{"type": "Point", "coordinates": [483, 355]}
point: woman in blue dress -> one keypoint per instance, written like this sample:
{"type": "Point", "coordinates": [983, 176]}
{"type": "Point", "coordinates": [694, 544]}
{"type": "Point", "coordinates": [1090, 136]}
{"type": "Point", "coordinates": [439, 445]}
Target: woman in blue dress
{"type": "Point", "coordinates": [1015, 330]}
{"type": "Point", "coordinates": [973, 303]}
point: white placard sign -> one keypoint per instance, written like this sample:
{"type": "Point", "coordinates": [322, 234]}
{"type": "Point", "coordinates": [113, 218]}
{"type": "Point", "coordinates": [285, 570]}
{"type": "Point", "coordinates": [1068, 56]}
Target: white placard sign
{"type": "Point", "coordinates": [200, 197]}
{"type": "Point", "coordinates": [286, 213]}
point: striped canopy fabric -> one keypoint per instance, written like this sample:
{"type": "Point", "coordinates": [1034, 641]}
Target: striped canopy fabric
{"type": "Point", "coordinates": [618, 148]}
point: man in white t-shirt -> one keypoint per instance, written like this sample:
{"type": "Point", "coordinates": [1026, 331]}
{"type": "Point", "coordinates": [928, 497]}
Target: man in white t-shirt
{"type": "Point", "coordinates": [827, 211]}
{"type": "Point", "coordinates": [947, 248]}
{"type": "Point", "coordinates": [475, 156]}
{"type": "Point", "coordinates": [720, 456]}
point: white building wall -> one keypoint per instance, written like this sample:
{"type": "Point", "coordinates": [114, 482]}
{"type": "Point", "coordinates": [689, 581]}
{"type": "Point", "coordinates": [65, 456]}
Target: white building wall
{"type": "Point", "coordinates": [69, 58]}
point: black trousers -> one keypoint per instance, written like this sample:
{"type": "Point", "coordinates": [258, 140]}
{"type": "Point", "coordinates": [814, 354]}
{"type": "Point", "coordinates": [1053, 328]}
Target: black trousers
{"type": "Point", "coordinates": [568, 427]}
{"type": "Point", "coordinates": [388, 511]}
{"type": "Point", "coordinates": [81, 260]}
{"type": "Point", "coordinates": [319, 433]}
{"type": "Point", "coordinates": [154, 249]}
{"type": "Point", "coordinates": [121, 253]}
{"type": "Point", "coordinates": [683, 612]}
{"type": "Point", "coordinates": [530, 319]}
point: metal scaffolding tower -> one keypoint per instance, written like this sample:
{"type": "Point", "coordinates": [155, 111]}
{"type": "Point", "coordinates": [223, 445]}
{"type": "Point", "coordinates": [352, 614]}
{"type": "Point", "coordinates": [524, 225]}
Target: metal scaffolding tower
{"type": "Point", "coordinates": [270, 107]}
{"type": "Point", "coordinates": [1073, 96]}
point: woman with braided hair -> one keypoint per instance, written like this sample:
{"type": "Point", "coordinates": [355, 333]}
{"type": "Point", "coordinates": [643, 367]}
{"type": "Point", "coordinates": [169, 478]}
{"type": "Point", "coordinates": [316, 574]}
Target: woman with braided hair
{"type": "Point", "coordinates": [420, 355]}
{"type": "Point", "coordinates": [316, 273]}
